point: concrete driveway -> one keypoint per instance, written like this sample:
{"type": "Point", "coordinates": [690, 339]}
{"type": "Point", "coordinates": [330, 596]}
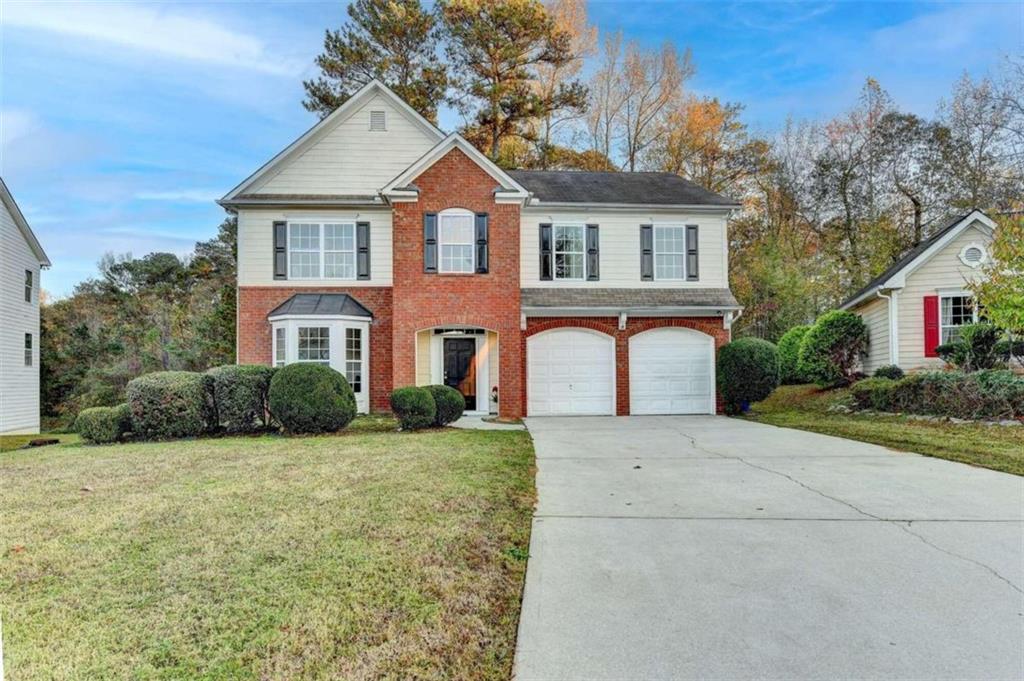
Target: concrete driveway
{"type": "Point", "coordinates": [707, 547]}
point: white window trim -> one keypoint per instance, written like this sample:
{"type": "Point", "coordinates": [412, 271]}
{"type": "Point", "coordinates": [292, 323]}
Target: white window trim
{"type": "Point", "coordinates": [30, 286]}
{"type": "Point", "coordinates": [338, 324]}
{"type": "Point", "coordinates": [455, 212]}
{"type": "Point", "coordinates": [654, 249]}
{"type": "Point", "coordinates": [322, 247]}
{"type": "Point", "coordinates": [555, 251]}
{"type": "Point", "coordinates": [968, 263]}
{"type": "Point", "coordinates": [955, 294]}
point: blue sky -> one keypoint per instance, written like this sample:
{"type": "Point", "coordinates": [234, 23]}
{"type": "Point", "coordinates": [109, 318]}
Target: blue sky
{"type": "Point", "coordinates": [120, 123]}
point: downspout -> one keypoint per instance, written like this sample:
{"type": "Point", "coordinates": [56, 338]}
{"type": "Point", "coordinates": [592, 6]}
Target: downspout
{"type": "Point", "coordinates": [732, 320]}
{"type": "Point", "coordinates": [894, 341]}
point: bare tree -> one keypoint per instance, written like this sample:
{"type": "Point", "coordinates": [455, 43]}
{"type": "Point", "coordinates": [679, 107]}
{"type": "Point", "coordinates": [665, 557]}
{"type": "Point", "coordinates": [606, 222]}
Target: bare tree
{"type": "Point", "coordinates": [653, 84]}
{"type": "Point", "coordinates": [607, 98]}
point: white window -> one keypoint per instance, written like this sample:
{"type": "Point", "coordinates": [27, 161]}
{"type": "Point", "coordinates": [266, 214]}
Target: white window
{"type": "Point", "coordinates": [354, 358]}
{"type": "Point", "coordinates": [321, 250]}
{"type": "Point", "coordinates": [669, 252]}
{"type": "Point", "coordinates": [314, 344]}
{"type": "Point", "coordinates": [303, 251]}
{"type": "Point", "coordinates": [569, 251]}
{"type": "Point", "coordinates": [954, 312]}
{"type": "Point", "coordinates": [378, 121]}
{"type": "Point", "coordinates": [456, 240]}
{"type": "Point", "coordinates": [280, 346]}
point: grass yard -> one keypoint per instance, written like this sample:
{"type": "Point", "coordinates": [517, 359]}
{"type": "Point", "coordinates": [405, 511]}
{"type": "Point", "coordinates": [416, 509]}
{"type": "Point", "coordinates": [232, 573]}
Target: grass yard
{"type": "Point", "coordinates": [367, 555]}
{"type": "Point", "coordinates": [806, 407]}
{"type": "Point", "coordinates": [11, 442]}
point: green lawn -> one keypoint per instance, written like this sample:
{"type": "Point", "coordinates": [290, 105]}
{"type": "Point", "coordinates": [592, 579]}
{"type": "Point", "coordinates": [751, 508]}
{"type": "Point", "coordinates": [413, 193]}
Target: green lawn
{"type": "Point", "coordinates": [806, 407]}
{"type": "Point", "coordinates": [367, 555]}
{"type": "Point", "coordinates": [12, 442]}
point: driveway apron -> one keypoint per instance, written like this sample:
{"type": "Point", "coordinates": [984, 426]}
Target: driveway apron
{"type": "Point", "coordinates": [675, 547]}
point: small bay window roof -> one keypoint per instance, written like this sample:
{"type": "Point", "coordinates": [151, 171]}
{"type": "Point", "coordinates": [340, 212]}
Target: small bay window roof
{"type": "Point", "coordinates": [320, 305]}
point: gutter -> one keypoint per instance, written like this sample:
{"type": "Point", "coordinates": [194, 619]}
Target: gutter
{"type": "Point", "coordinates": [667, 311]}
{"type": "Point", "coordinates": [537, 203]}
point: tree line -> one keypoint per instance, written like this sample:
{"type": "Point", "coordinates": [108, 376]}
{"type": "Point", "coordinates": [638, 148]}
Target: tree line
{"type": "Point", "coordinates": [827, 204]}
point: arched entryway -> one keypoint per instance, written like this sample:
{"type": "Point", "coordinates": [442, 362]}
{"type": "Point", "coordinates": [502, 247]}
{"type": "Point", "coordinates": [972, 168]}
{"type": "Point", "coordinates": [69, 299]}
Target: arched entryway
{"type": "Point", "coordinates": [463, 357]}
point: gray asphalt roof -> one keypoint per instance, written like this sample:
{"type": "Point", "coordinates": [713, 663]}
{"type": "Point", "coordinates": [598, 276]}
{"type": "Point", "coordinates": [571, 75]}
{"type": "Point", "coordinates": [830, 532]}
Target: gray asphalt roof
{"type": "Point", "coordinates": [626, 298]}
{"type": "Point", "coordinates": [313, 304]}
{"type": "Point", "coordinates": [577, 186]}
{"type": "Point", "coordinates": [943, 228]}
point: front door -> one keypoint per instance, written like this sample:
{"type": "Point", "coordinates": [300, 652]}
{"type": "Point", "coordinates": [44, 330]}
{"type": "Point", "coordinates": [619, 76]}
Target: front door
{"type": "Point", "coordinates": [460, 368]}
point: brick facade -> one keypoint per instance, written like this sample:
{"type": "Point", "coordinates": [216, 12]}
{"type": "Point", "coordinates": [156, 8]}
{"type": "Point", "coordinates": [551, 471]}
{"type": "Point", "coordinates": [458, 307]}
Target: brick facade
{"type": "Point", "coordinates": [253, 330]}
{"type": "Point", "coordinates": [712, 326]}
{"type": "Point", "coordinates": [489, 301]}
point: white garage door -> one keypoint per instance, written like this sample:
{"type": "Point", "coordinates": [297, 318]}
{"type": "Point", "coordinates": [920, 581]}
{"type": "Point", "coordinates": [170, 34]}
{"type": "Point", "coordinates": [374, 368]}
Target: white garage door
{"type": "Point", "coordinates": [671, 371]}
{"type": "Point", "coordinates": [570, 372]}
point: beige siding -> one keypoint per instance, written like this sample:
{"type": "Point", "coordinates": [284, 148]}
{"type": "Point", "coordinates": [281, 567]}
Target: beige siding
{"type": "Point", "coordinates": [942, 273]}
{"type": "Point", "coordinates": [620, 247]}
{"type": "Point", "coordinates": [423, 357]}
{"type": "Point", "coordinates": [256, 245]}
{"type": "Point", "coordinates": [876, 316]}
{"type": "Point", "coordinates": [349, 159]}
{"type": "Point", "coordinates": [19, 384]}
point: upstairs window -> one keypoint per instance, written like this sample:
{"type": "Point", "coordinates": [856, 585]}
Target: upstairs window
{"type": "Point", "coordinates": [954, 312]}
{"type": "Point", "coordinates": [669, 252]}
{"type": "Point", "coordinates": [321, 250]}
{"type": "Point", "coordinates": [28, 349]}
{"type": "Point", "coordinates": [28, 286]}
{"type": "Point", "coordinates": [569, 251]}
{"type": "Point", "coordinates": [378, 121]}
{"type": "Point", "coordinates": [457, 241]}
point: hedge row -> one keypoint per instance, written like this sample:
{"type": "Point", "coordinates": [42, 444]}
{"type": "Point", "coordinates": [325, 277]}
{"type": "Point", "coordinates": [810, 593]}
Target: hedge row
{"type": "Point", "coordinates": [995, 393]}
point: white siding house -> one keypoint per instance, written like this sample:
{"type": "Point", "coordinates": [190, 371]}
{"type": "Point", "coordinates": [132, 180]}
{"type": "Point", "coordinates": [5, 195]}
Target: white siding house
{"type": "Point", "coordinates": [21, 258]}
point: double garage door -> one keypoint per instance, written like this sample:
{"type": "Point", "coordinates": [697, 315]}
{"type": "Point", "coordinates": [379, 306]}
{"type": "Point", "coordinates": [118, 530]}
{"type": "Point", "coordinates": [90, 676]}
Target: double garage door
{"type": "Point", "coordinates": [572, 372]}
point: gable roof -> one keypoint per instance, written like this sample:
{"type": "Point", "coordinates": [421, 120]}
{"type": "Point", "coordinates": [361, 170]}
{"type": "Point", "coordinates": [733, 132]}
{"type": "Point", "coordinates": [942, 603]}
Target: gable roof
{"type": "Point", "coordinates": [19, 219]}
{"type": "Point", "coordinates": [321, 304]}
{"type": "Point", "coordinates": [351, 105]}
{"type": "Point", "coordinates": [400, 187]}
{"type": "Point", "coordinates": [947, 230]}
{"type": "Point", "coordinates": [576, 186]}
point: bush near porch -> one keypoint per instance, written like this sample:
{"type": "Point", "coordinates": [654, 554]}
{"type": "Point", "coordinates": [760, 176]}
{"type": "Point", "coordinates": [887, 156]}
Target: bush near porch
{"type": "Point", "coordinates": [365, 555]}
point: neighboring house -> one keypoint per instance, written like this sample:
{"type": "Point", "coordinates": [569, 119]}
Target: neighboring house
{"type": "Point", "coordinates": [21, 258]}
{"type": "Point", "coordinates": [399, 256]}
{"type": "Point", "coordinates": [922, 300]}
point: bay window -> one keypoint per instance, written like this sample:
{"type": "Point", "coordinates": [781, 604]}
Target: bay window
{"type": "Point", "coordinates": [336, 341]}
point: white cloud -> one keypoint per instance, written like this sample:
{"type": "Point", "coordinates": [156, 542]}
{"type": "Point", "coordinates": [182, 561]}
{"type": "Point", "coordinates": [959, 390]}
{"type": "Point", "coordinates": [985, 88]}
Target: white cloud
{"type": "Point", "coordinates": [149, 28]}
{"type": "Point", "coordinates": [181, 195]}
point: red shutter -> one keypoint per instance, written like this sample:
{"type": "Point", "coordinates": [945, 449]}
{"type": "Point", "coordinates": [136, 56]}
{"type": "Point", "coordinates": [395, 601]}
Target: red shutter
{"type": "Point", "coordinates": [931, 325]}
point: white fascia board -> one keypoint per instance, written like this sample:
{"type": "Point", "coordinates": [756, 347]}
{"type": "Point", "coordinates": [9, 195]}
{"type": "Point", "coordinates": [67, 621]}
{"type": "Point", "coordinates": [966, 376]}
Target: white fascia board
{"type": "Point", "coordinates": [318, 318]}
{"type": "Point", "coordinates": [675, 311]}
{"type": "Point", "coordinates": [22, 223]}
{"type": "Point", "coordinates": [510, 188]}
{"type": "Point", "coordinates": [344, 111]}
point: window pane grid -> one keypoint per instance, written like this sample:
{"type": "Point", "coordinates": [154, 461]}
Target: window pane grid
{"type": "Point", "coordinates": [314, 344]}
{"type": "Point", "coordinates": [28, 286]}
{"type": "Point", "coordinates": [304, 250]}
{"type": "Point", "coordinates": [28, 349]}
{"type": "Point", "coordinates": [457, 243]}
{"type": "Point", "coordinates": [955, 311]}
{"type": "Point", "coordinates": [354, 359]}
{"type": "Point", "coordinates": [280, 347]}
{"type": "Point", "coordinates": [569, 252]}
{"type": "Point", "coordinates": [669, 252]}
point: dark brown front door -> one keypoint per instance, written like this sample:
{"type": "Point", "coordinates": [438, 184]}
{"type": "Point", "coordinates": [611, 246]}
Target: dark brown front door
{"type": "Point", "coordinates": [460, 368]}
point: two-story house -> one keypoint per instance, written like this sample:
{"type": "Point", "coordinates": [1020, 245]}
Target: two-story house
{"type": "Point", "coordinates": [399, 256]}
{"type": "Point", "coordinates": [21, 259]}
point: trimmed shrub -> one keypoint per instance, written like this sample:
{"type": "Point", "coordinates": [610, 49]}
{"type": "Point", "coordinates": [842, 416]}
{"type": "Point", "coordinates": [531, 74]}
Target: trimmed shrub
{"type": "Point", "coordinates": [449, 404]}
{"type": "Point", "coordinates": [241, 395]}
{"type": "Point", "coordinates": [414, 407]}
{"type": "Point", "coordinates": [831, 349]}
{"type": "Point", "coordinates": [873, 393]}
{"type": "Point", "coordinates": [748, 371]}
{"type": "Point", "coordinates": [979, 347]}
{"type": "Point", "coordinates": [170, 404]}
{"type": "Point", "coordinates": [789, 355]}
{"type": "Point", "coordinates": [102, 425]}
{"type": "Point", "coordinates": [889, 371]}
{"type": "Point", "coordinates": [311, 398]}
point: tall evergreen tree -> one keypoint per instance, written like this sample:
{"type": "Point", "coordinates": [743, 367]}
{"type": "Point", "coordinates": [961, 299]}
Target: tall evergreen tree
{"type": "Point", "coordinates": [495, 48]}
{"type": "Point", "coordinates": [394, 41]}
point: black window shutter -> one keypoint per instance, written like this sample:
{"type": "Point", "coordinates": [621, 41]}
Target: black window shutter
{"type": "Point", "coordinates": [545, 252]}
{"type": "Point", "coordinates": [481, 242]}
{"type": "Point", "coordinates": [593, 254]}
{"type": "Point", "coordinates": [280, 250]}
{"type": "Point", "coordinates": [692, 270]}
{"type": "Point", "coordinates": [647, 252]}
{"type": "Point", "coordinates": [430, 242]}
{"type": "Point", "coordinates": [362, 250]}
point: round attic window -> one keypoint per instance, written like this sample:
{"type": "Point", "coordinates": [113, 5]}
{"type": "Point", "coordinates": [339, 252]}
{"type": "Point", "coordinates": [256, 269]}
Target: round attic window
{"type": "Point", "coordinates": [973, 255]}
